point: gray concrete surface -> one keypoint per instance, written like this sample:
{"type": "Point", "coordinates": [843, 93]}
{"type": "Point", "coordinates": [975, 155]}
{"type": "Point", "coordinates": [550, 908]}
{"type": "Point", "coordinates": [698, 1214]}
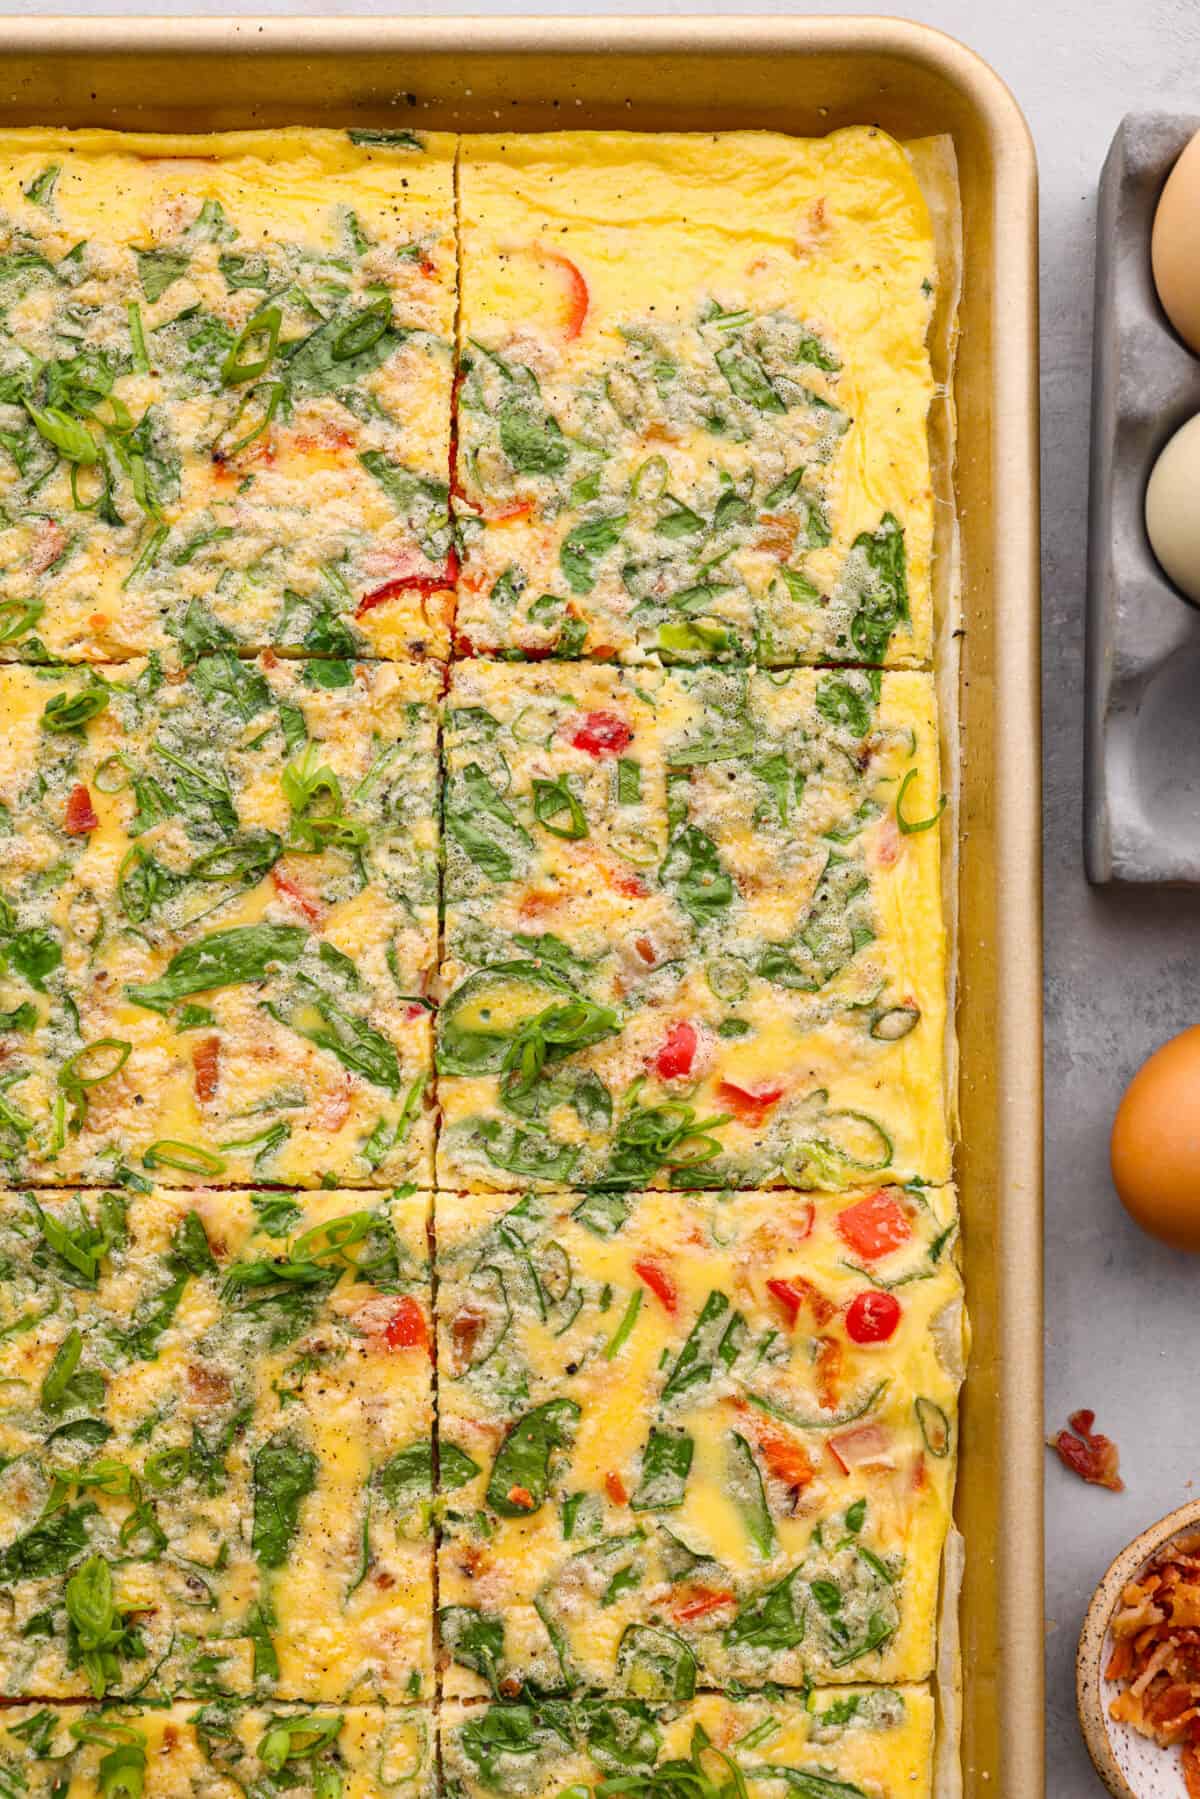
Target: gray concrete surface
{"type": "Point", "coordinates": [1122, 969]}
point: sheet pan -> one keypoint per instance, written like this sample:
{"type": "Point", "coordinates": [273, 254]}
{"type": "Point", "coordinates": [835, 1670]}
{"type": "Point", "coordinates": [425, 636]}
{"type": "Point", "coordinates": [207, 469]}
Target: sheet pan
{"type": "Point", "coordinates": [803, 75]}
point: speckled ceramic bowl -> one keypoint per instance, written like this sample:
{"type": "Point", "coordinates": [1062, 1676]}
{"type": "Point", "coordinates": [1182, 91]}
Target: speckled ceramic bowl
{"type": "Point", "coordinates": [1131, 1766]}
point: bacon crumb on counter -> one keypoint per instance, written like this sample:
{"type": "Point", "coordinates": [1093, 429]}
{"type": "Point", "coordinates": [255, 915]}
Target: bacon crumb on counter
{"type": "Point", "coordinates": [1092, 1457]}
{"type": "Point", "coordinates": [1156, 1655]}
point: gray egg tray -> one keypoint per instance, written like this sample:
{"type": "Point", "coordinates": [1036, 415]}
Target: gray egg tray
{"type": "Point", "coordinates": [1142, 762]}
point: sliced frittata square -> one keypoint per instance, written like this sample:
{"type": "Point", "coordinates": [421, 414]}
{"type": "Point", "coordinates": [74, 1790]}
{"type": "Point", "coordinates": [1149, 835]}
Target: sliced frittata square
{"type": "Point", "coordinates": [218, 1747]}
{"type": "Point", "coordinates": [225, 392]}
{"type": "Point", "coordinates": [692, 413]}
{"type": "Point", "coordinates": [219, 921]}
{"type": "Point", "coordinates": [217, 1445]}
{"type": "Point", "coordinates": [693, 928]}
{"type": "Point", "coordinates": [852, 1743]}
{"type": "Point", "coordinates": [693, 1440]}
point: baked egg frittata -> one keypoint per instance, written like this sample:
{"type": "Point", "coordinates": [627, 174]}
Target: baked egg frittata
{"type": "Point", "coordinates": [220, 1749]}
{"type": "Point", "coordinates": [225, 392]}
{"type": "Point", "coordinates": [694, 388]}
{"type": "Point", "coordinates": [852, 1743]}
{"type": "Point", "coordinates": [219, 920]}
{"type": "Point", "coordinates": [694, 1439]}
{"type": "Point", "coordinates": [216, 1443]}
{"type": "Point", "coordinates": [693, 928]}
{"type": "Point", "coordinates": [479, 1296]}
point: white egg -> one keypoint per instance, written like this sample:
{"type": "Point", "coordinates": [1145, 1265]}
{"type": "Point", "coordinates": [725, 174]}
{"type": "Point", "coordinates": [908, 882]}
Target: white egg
{"type": "Point", "coordinates": [1173, 509]}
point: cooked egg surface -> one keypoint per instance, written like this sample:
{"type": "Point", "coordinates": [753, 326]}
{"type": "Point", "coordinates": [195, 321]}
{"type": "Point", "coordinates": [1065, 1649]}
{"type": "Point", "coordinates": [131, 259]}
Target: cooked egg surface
{"type": "Point", "coordinates": [219, 918]}
{"type": "Point", "coordinates": [730, 1410]}
{"type": "Point", "coordinates": [343, 1752]}
{"type": "Point", "coordinates": [1156, 1143]}
{"type": "Point", "coordinates": [222, 1403]}
{"type": "Point", "coordinates": [226, 392]}
{"type": "Point", "coordinates": [1175, 246]}
{"type": "Point", "coordinates": [736, 877]}
{"type": "Point", "coordinates": [843, 1744]}
{"type": "Point", "coordinates": [692, 419]}
{"type": "Point", "coordinates": [1172, 516]}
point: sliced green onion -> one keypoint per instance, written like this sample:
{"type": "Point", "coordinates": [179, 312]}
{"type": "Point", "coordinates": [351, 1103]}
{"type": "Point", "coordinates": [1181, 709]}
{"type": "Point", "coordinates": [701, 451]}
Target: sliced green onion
{"type": "Point", "coordinates": [623, 1331]}
{"type": "Point", "coordinates": [17, 617]}
{"type": "Point", "coordinates": [363, 331]}
{"type": "Point", "coordinates": [95, 1062]}
{"type": "Point", "coordinates": [189, 1158]}
{"type": "Point", "coordinates": [274, 393]}
{"type": "Point", "coordinates": [118, 780]}
{"type": "Point", "coordinates": [727, 977]}
{"type": "Point", "coordinates": [910, 827]}
{"type": "Point", "coordinates": [241, 364]}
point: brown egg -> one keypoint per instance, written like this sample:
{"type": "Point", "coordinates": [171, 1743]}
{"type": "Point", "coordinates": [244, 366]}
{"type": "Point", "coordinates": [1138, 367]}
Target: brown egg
{"type": "Point", "coordinates": [1175, 246]}
{"type": "Point", "coordinates": [1156, 1143]}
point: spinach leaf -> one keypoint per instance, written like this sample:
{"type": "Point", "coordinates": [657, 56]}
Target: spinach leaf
{"type": "Point", "coordinates": [497, 853]}
{"type": "Point", "coordinates": [884, 602]}
{"type": "Point", "coordinates": [372, 139]}
{"type": "Point", "coordinates": [159, 269]}
{"type": "Point", "coordinates": [772, 1619]}
{"type": "Point", "coordinates": [65, 1384]}
{"type": "Point", "coordinates": [221, 959]}
{"type": "Point", "coordinates": [407, 1478]}
{"type": "Point", "coordinates": [207, 1455]}
{"type": "Point", "coordinates": [656, 1665]}
{"type": "Point", "coordinates": [692, 867]}
{"type": "Point", "coordinates": [666, 1463]}
{"type": "Point", "coordinates": [532, 440]}
{"type": "Point", "coordinates": [225, 680]}
{"type": "Point", "coordinates": [51, 1546]}
{"type": "Point", "coordinates": [342, 350]}
{"type": "Point", "coordinates": [154, 1315]}
{"type": "Point", "coordinates": [285, 1474]}
{"type": "Point", "coordinates": [584, 545]}
{"type": "Point", "coordinates": [553, 799]}
{"type": "Point", "coordinates": [622, 1735]}
{"type": "Point", "coordinates": [521, 1472]}
{"type": "Point", "coordinates": [260, 1620]}
{"type": "Point", "coordinates": [358, 1046]}
{"type": "Point", "coordinates": [34, 954]}
{"type": "Point", "coordinates": [601, 1213]}
{"type": "Point", "coordinates": [198, 633]}
{"type": "Point", "coordinates": [277, 1213]}
{"type": "Point", "coordinates": [475, 1639]}
{"type": "Point", "coordinates": [746, 1485]}
{"type": "Point", "coordinates": [507, 1744]}
{"type": "Point", "coordinates": [529, 1153]}
{"type": "Point", "coordinates": [243, 271]}
{"type": "Point", "coordinates": [808, 1785]}
{"type": "Point", "coordinates": [712, 1339]}
{"type": "Point", "coordinates": [841, 702]}
{"type": "Point", "coordinates": [190, 1246]}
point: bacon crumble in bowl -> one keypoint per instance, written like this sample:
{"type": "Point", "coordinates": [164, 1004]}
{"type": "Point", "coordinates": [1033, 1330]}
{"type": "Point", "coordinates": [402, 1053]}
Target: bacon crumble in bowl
{"type": "Point", "coordinates": [1138, 1668]}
